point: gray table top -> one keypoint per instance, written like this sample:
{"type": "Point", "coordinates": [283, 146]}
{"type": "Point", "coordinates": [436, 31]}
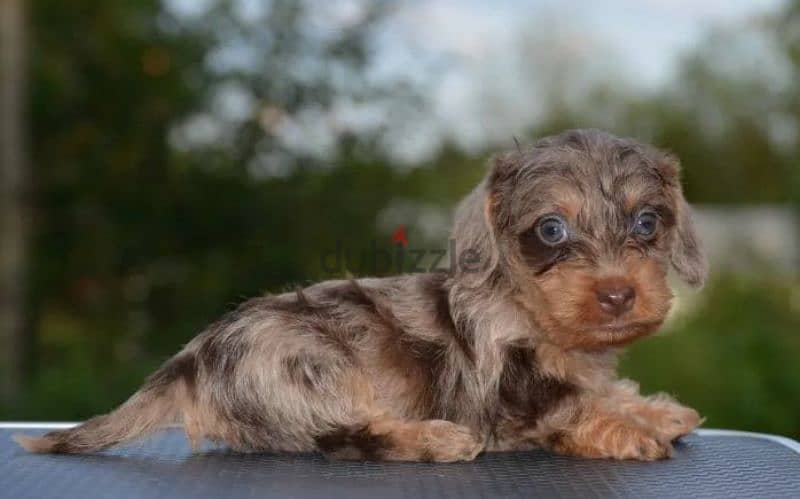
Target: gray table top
{"type": "Point", "coordinates": [707, 464]}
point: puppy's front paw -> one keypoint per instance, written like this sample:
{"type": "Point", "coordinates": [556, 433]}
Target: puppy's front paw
{"type": "Point", "coordinates": [644, 447]}
{"type": "Point", "coordinates": [677, 422]}
{"type": "Point", "coordinates": [621, 442]}
{"type": "Point", "coordinates": [670, 420]}
{"type": "Point", "coordinates": [446, 442]}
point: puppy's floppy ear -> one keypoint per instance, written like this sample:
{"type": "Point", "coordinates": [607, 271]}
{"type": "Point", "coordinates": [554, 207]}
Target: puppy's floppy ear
{"type": "Point", "coordinates": [686, 252]}
{"type": "Point", "coordinates": [477, 219]}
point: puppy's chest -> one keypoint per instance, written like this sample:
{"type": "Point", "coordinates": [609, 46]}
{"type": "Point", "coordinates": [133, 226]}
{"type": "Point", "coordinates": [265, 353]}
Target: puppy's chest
{"type": "Point", "coordinates": [524, 390]}
{"type": "Point", "coordinates": [511, 386]}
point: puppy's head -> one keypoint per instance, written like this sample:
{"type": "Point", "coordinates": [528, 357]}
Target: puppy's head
{"type": "Point", "coordinates": [584, 226]}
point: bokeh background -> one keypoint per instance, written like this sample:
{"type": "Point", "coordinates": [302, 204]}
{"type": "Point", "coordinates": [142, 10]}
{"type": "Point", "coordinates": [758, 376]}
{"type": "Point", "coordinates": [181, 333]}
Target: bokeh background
{"type": "Point", "coordinates": [163, 160]}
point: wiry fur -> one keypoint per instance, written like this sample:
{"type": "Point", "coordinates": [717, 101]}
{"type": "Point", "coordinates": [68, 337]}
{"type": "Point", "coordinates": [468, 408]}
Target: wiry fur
{"type": "Point", "coordinates": [440, 367]}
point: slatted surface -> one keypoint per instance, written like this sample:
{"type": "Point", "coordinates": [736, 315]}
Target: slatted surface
{"type": "Point", "coordinates": [163, 467]}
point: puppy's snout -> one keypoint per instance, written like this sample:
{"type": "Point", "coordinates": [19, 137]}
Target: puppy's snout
{"type": "Point", "coordinates": [616, 299]}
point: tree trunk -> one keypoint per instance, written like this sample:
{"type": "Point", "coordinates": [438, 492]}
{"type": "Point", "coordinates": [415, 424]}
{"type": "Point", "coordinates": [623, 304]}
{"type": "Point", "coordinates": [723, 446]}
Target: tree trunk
{"type": "Point", "coordinates": [13, 198]}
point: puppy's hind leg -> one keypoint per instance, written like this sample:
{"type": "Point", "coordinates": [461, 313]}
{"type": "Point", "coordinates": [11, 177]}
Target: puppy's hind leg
{"type": "Point", "coordinates": [319, 400]}
{"type": "Point", "coordinates": [332, 401]}
{"type": "Point", "coordinates": [399, 440]}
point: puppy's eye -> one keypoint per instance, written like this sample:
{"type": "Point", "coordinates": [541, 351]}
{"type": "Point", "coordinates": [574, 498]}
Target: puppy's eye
{"type": "Point", "coordinates": [552, 230]}
{"type": "Point", "coordinates": [646, 224]}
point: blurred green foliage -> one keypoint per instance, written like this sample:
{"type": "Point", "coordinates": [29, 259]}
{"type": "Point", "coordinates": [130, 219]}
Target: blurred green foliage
{"type": "Point", "coordinates": [137, 245]}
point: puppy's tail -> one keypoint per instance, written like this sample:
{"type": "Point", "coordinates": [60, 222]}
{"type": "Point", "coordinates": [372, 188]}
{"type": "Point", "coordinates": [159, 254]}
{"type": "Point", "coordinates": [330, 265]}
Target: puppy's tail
{"type": "Point", "coordinates": [157, 404]}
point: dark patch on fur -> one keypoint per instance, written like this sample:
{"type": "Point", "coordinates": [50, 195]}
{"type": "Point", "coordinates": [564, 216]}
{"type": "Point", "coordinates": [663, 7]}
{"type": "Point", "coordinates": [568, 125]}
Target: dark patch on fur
{"type": "Point", "coordinates": [434, 285]}
{"type": "Point", "coordinates": [537, 254]}
{"type": "Point", "coordinates": [666, 215]}
{"type": "Point", "coordinates": [60, 441]}
{"type": "Point", "coordinates": [354, 443]}
{"type": "Point", "coordinates": [334, 335]}
{"type": "Point", "coordinates": [300, 305]}
{"type": "Point", "coordinates": [368, 301]}
{"type": "Point", "coordinates": [80, 438]}
{"type": "Point", "coordinates": [181, 367]}
{"type": "Point", "coordinates": [576, 139]}
{"type": "Point", "coordinates": [224, 345]}
{"type": "Point", "coordinates": [242, 407]}
{"type": "Point", "coordinates": [626, 151]}
{"type": "Point", "coordinates": [304, 371]}
{"type": "Point", "coordinates": [429, 360]}
{"type": "Point", "coordinates": [524, 391]}
{"type": "Point", "coordinates": [426, 456]}
{"type": "Point", "coordinates": [555, 439]}
{"type": "Point", "coordinates": [61, 447]}
{"type": "Point", "coordinates": [318, 317]}
{"type": "Point", "coordinates": [504, 168]}
{"type": "Point", "coordinates": [221, 353]}
{"type": "Point", "coordinates": [351, 292]}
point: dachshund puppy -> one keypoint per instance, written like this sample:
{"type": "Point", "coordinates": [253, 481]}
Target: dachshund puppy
{"type": "Point", "coordinates": [575, 237]}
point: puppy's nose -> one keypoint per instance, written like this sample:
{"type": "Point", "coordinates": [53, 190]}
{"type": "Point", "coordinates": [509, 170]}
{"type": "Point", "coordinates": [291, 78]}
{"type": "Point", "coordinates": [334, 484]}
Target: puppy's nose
{"type": "Point", "coordinates": [616, 300]}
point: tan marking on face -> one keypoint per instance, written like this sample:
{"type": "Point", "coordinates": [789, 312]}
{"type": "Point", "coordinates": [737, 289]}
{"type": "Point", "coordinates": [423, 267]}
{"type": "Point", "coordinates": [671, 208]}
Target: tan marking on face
{"type": "Point", "coordinates": [564, 303]}
{"type": "Point", "coordinates": [635, 190]}
{"type": "Point", "coordinates": [569, 200]}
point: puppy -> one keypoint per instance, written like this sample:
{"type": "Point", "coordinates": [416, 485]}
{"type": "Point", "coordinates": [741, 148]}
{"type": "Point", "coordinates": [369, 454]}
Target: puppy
{"type": "Point", "coordinates": [575, 237]}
